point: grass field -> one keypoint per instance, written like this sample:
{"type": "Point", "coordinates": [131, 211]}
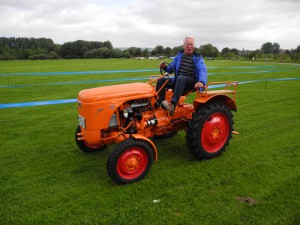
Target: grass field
{"type": "Point", "coordinates": [46, 179]}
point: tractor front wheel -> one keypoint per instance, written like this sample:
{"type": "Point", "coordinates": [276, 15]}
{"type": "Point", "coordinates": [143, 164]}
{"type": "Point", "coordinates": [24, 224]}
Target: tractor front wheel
{"type": "Point", "coordinates": [130, 161]}
{"type": "Point", "coordinates": [209, 130]}
{"type": "Point", "coordinates": [85, 147]}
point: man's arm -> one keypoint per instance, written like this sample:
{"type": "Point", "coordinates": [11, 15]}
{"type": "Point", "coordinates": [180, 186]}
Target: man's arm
{"type": "Point", "coordinates": [170, 67]}
{"type": "Point", "coordinates": [199, 84]}
{"type": "Point", "coordinates": [201, 72]}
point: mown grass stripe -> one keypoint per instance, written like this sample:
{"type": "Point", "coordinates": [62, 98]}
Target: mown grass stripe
{"type": "Point", "coordinates": [98, 72]}
{"type": "Point", "coordinates": [76, 82]}
{"type": "Point", "coordinates": [64, 101]}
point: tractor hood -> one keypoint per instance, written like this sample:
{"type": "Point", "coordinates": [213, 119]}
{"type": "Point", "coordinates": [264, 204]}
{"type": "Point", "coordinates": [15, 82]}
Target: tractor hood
{"type": "Point", "coordinates": [113, 92]}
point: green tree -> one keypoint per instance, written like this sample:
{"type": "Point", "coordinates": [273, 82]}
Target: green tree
{"type": "Point", "coordinates": [107, 44]}
{"type": "Point", "coordinates": [126, 54]}
{"type": "Point", "coordinates": [159, 50]}
{"type": "Point", "coordinates": [105, 53]}
{"type": "Point", "coordinates": [168, 51]}
{"type": "Point", "coordinates": [230, 55]}
{"type": "Point", "coordinates": [225, 51]}
{"type": "Point", "coordinates": [281, 57]}
{"type": "Point", "coordinates": [208, 50]}
{"type": "Point", "coordinates": [295, 56]}
{"type": "Point", "coordinates": [145, 52]}
{"type": "Point", "coordinates": [96, 44]}
{"type": "Point", "coordinates": [117, 53]}
{"type": "Point", "coordinates": [276, 48]}
{"type": "Point", "coordinates": [138, 52]}
{"type": "Point", "coordinates": [53, 55]}
{"type": "Point", "coordinates": [75, 49]}
{"type": "Point", "coordinates": [267, 48]}
{"type": "Point", "coordinates": [68, 50]}
{"type": "Point", "coordinates": [7, 53]}
{"type": "Point", "coordinates": [235, 51]}
{"type": "Point", "coordinates": [176, 49]}
{"type": "Point", "coordinates": [133, 51]}
{"type": "Point", "coordinates": [46, 43]}
{"type": "Point", "coordinates": [256, 54]}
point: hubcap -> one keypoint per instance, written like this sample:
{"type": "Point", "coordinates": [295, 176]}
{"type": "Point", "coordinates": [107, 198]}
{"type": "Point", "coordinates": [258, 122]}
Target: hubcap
{"type": "Point", "coordinates": [215, 132]}
{"type": "Point", "coordinates": [132, 163]}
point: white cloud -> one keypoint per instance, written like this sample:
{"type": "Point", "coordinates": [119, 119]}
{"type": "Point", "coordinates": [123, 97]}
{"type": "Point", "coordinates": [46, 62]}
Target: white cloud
{"type": "Point", "coordinates": [142, 23]}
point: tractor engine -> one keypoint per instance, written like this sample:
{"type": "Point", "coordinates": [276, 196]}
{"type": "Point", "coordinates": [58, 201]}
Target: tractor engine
{"type": "Point", "coordinates": [138, 115]}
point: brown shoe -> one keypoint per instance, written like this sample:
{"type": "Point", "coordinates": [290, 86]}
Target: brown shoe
{"type": "Point", "coordinates": [171, 109]}
{"type": "Point", "coordinates": [168, 106]}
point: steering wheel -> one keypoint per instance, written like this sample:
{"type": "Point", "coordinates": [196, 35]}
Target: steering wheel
{"type": "Point", "coordinates": [168, 64]}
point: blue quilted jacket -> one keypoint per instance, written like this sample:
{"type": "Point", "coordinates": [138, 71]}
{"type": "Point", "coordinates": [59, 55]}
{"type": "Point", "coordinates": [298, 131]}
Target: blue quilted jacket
{"type": "Point", "coordinates": [199, 67]}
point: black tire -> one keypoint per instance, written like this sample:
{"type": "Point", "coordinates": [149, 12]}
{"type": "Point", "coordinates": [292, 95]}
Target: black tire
{"type": "Point", "coordinates": [84, 146]}
{"type": "Point", "coordinates": [130, 161]}
{"type": "Point", "coordinates": [210, 130]}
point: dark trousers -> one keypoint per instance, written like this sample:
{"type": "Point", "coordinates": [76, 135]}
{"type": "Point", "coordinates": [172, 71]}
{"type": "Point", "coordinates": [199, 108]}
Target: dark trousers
{"type": "Point", "coordinates": [182, 84]}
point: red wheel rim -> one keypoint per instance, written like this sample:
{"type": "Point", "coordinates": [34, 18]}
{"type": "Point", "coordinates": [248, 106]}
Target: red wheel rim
{"type": "Point", "coordinates": [215, 132]}
{"type": "Point", "coordinates": [132, 163]}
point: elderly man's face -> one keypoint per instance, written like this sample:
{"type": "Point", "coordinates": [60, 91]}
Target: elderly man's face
{"type": "Point", "coordinates": [188, 46]}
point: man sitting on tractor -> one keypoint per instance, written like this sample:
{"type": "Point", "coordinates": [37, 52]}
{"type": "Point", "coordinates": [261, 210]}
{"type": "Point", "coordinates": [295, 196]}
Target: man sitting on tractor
{"type": "Point", "coordinates": [190, 73]}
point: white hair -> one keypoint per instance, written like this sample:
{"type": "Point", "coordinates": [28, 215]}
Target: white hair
{"type": "Point", "coordinates": [188, 37]}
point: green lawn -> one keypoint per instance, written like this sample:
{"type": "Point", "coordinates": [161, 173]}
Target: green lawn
{"type": "Point", "coordinates": [46, 179]}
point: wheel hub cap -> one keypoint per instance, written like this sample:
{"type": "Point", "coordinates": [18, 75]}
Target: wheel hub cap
{"type": "Point", "coordinates": [132, 163]}
{"type": "Point", "coordinates": [215, 132]}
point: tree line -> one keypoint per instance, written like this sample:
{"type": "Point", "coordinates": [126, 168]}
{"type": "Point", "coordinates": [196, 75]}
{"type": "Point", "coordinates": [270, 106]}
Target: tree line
{"type": "Point", "coordinates": [44, 48]}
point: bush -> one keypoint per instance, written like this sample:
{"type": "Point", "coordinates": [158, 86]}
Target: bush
{"type": "Point", "coordinates": [39, 57]}
{"type": "Point", "coordinates": [53, 55]}
{"type": "Point", "coordinates": [295, 56]}
{"type": "Point", "coordinates": [281, 57]}
{"type": "Point", "coordinates": [7, 56]}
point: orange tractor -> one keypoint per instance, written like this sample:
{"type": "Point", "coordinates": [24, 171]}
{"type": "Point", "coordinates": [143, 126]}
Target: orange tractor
{"type": "Point", "coordinates": [127, 114]}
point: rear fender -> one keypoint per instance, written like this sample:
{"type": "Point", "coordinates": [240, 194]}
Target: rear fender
{"type": "Point", "coordinates": [221, 98]}
{"type": "Point", "coordinates": [141, 137]}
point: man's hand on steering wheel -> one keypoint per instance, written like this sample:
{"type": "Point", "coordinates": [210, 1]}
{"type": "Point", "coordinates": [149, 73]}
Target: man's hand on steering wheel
{"type": "Point", "coordinates": [162, 65]}
{"type": "Point", "coordinates": [199, 85]}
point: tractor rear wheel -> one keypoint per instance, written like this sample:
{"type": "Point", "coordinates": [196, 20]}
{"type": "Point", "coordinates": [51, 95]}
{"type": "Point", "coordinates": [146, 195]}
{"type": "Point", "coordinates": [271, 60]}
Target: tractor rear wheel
{"type": "Point", "coordinates": [85, 147]}
{"type": "Point", "coordinates": [209, 130]}
{"type": "Point", "coordinates": [130, 161]}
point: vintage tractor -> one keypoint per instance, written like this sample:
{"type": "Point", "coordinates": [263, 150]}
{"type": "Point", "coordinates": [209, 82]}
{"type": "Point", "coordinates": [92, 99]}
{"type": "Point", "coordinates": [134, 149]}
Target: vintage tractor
{"type": "Point", "coordinates": [127, 114]}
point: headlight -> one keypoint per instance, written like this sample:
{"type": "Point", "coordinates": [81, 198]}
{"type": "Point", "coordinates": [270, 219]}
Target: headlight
{"type": "Point", "coordinates": [113, 121]}
{"type": "Point", "coordinates": [81, 121]}
{"type": "Point", "coordinates": [125, 113]}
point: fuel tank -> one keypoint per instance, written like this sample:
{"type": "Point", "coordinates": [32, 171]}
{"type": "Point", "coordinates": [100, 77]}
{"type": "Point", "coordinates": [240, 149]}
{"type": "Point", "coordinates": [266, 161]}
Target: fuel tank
{"type": "Point", "coordinates": [97, 106]}
{"type": "Point", "coordinates": [113, 92]}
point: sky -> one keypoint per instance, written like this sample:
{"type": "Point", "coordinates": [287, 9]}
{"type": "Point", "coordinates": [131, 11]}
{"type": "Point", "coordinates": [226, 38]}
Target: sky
{"type": "Point", "coordinates": [240, 24]}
